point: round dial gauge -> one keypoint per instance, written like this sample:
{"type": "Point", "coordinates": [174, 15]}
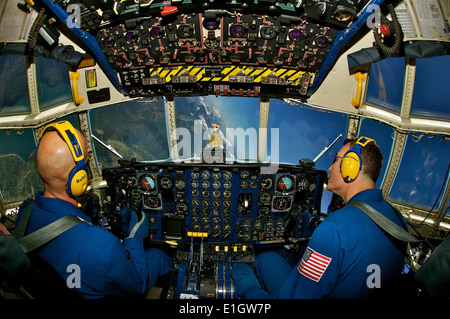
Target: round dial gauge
{"type": "Point", "coordinates": [166, 182]}
{"type": "Point", "coordinates": [216, 184]}
{"type": "Point", "coordinates": [157, 32]}
{"type": "Point", "coordinates": [205, 184]}
{"type": "Point", "coordinates": [146, 183]}
{"type": "Point", "coordinates": [281, 203]}
{"type": "Point", "coordinates": [195, 175]}
{"type": "Point", "coordinates": [205, 202]}
{"type": "Point", "coordinates": [321, 41]}
{"type": "Point", "coordinates": [227, 175]}
{"type": "Point", "coordinates": [302, 184]}
{"type": "Point", "coordinates": [265, 198]}
{"type": "Point", "coordinates": [205, 193]}
{"type": "Point", "coordinates": [206, 174]}
{"type": "Point", "coordinates": [180, 184]}
{"type": "Point", "coordinates": [135, 194]}
{"type": "Point", "coordinates": [181, 207]}
{"type": "Point", "coordinates": [263, 211]}
{"type": "Point", "coordinates": [227, 184]}
{"type": "Point", "coordinates": [266, 183]}
{"type": "Point", "coordinates": [244, 184]}
{"type": "Point", "coordinates": [268, 32]}
{"type": "Point", "coordinates": [285, 183]}
{"type": "Point", "coordinates": [244, 174]}
{"type": "Point", "coordinates": [238, 30]}
{"type": "Point", "coordinates": [195, 192]}
{"type": "Point", "coordinates": [195, 183]}
{"type": "Point", "coordinates": [152, 201]}
{"type": "Point", "coordinates": [185, 30]}
{"type": "Point", "coordinates": [295, 35]}
{"type": "Point", "coordinates": [211, 24]}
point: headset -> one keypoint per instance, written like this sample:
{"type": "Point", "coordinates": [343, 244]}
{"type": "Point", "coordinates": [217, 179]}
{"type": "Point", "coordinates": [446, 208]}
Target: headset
{"type": "Point", "coordinates": [78, 177]}
{"type": "Point", "coordinates": [352, 161]}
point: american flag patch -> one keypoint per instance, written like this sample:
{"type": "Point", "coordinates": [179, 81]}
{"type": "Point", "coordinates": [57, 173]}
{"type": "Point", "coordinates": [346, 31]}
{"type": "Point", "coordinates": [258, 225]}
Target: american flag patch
{"type": "Point", "coordinates": [313, 264]}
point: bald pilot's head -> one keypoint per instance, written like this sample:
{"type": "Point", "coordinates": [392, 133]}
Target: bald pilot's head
{"type": "Point", "coordinates": [55, 162]}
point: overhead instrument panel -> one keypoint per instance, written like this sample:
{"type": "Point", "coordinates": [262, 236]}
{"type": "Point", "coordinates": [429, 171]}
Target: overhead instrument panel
{"type": "Point", "coordinates": [241, 47]}
{"type": "Point", "coordinates": [215, 214]}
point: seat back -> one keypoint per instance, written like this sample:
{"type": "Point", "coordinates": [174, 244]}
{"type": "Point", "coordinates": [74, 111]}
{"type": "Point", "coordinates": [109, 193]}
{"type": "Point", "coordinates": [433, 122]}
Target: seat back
{"type": "Point", "coordinates": [433, 277]}
{"type": "Point", "coordinates": [22, 277]}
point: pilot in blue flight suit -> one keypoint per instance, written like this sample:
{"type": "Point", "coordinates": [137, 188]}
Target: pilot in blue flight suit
{"type": "Point", "coordinates": [348, 255]}
{"type": "Point", "coordinates": [105, 266]}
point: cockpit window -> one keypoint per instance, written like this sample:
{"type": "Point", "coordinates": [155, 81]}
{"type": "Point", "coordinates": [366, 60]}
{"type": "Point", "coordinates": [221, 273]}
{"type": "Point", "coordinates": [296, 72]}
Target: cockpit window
{"type": "Point", "coordinates": [14, 97]}
{"type": "Point", "coordinates": [303, 133]}
{"type": "Point", "coordinates": [385, 87]}
{"type": "Point", "coordinates": [134, 129]}
{"type": "Point", "coordinates": [53, 83]}
{"type": "Point", "coordinates": [228, 123]}
{"type": "Point", "coordinates": [423, 172]}
{"type": "Point", "coordinates": [19, 176]}
{"type": "Point", "coordinates": [432, 100]}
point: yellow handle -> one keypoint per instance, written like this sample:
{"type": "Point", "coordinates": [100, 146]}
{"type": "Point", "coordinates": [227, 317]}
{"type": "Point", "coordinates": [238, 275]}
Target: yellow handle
{"type": "Point", "coordinates": [74, 76]}
{"type": "Point", "coordinates": [356, 102]}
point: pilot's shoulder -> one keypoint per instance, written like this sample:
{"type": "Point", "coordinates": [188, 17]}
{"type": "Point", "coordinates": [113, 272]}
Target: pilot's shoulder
{"type": "Point", "coordinates": [346, 220]}
{"type": "Point", "coordinates": [100, 234]}
{"type": "Point", "coordinates": [100, 243]}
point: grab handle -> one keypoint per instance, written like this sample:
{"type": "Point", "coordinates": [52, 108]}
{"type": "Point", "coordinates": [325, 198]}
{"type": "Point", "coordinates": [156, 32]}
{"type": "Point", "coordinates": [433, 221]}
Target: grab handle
{"type": "Point", "coordinates": [356, 102]}
{"type": "Point", "coordinates": [74, 76]}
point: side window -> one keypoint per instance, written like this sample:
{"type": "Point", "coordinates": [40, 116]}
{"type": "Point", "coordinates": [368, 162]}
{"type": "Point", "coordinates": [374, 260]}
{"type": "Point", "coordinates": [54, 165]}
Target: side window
{"type": "Point", "coordinates": [385, 87]}
{"type": "Point", "coordinates": [53, 83]}
{"type": "Point", "coordinates": [423, 172]}
{"type": "Point", "coordinates": [431, 100]}
{"type": "Point", "coordinates": [14, 98]}
{"type": "Point", "coordinates": [20, 178]}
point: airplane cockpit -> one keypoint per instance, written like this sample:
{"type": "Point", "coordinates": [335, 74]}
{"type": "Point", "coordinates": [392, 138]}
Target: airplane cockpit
{"type": "Point", "coordinates": [219, 120]}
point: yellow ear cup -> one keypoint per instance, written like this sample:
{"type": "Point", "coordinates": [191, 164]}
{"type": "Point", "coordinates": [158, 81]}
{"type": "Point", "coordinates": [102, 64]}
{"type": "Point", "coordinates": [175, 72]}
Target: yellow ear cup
{"type": "Point", "coordinates": [78, 177]}
{"type": "Point", "coordinates": [78, 183]}
{"type": "Point", "coordinates": [350, 166]}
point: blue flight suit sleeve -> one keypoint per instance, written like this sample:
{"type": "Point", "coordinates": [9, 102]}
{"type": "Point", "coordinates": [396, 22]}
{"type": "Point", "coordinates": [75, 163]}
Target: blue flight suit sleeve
{"type": "Point", "coordinates": [245, 283]}
{"type": "Point", "coordinates": [310, 280]}
{"type": "Point", "coordinates": [316, 273]}
{"type": "Point", "coordinates": [138, 263]}
{"type": "Point", "coordinates": [135, 271]}
{"type": "Point", "coordinates": [107, 266]}
{"type": "Point", "coordinates": [120, 269]}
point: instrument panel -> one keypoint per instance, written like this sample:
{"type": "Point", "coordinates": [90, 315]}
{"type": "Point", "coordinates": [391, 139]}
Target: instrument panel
{"type": "Point", "coordinates": [214, 215]}
{"type": "Point", "coordinates": [231, 203]}
{"type": "Point", "coordinates": [244, 39]}
{"type": "Point", "coordinates": [239, 47]}
{"type": "Point", "coordinates": [245, 53]}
